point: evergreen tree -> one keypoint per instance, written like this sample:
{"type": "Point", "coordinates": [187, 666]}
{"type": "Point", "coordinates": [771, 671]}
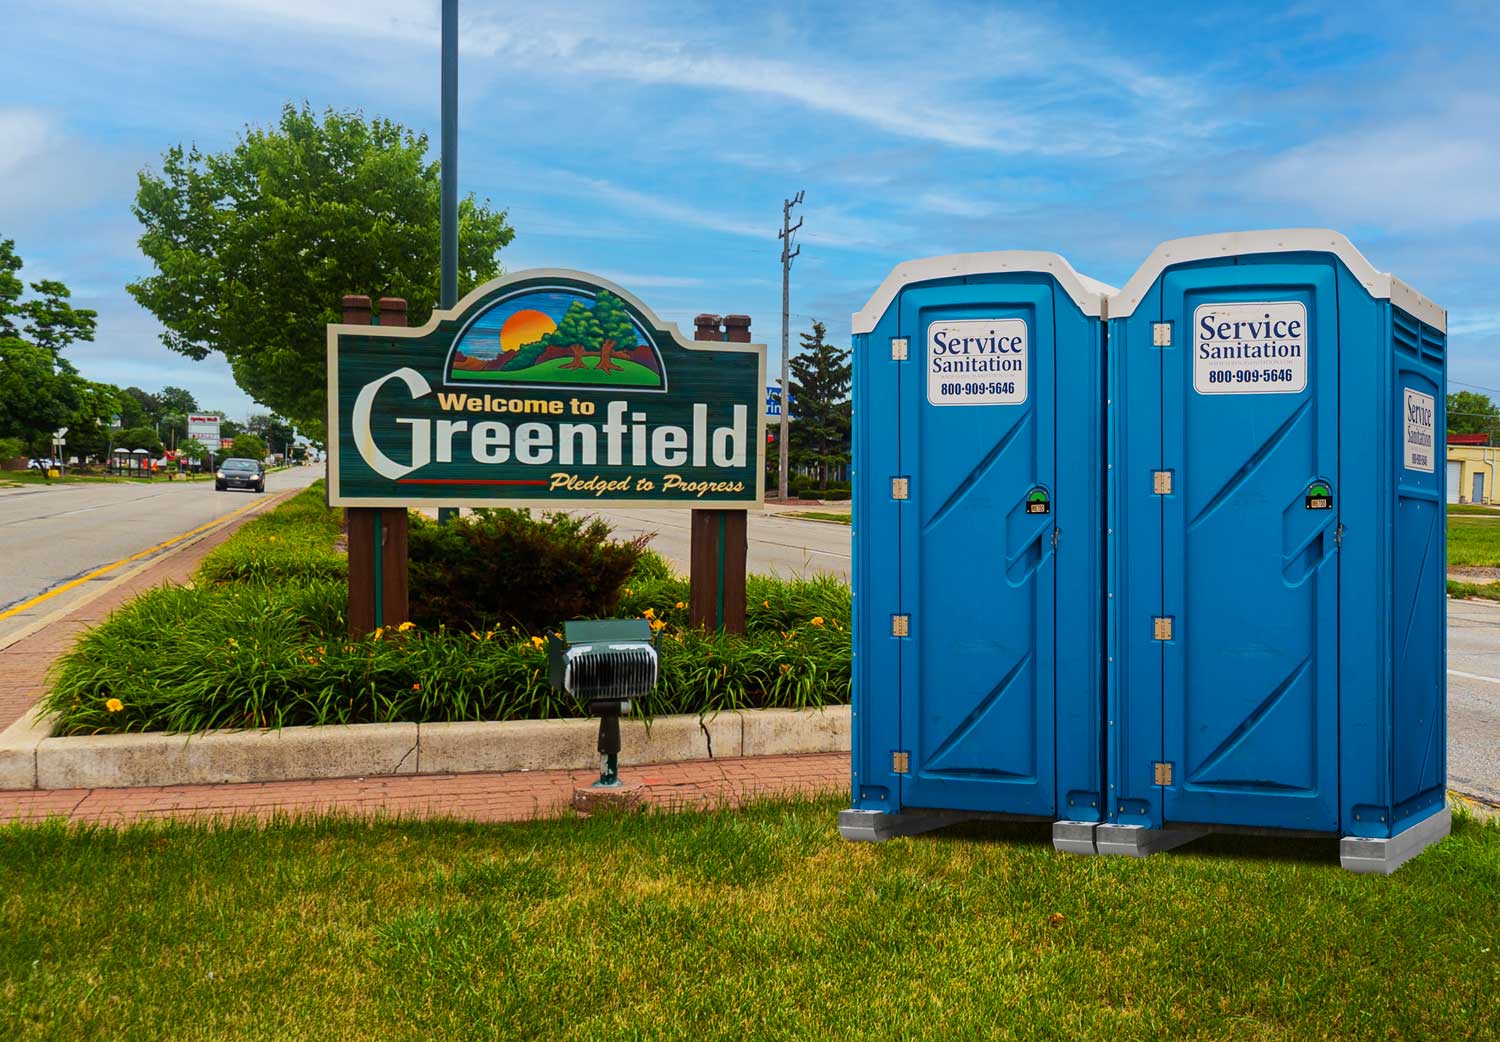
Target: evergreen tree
{"type": "Point", "coordinates": [821, 418]}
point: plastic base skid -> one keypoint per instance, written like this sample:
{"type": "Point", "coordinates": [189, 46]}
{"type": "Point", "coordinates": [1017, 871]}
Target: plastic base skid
{"type": "Point", "coordinates": [874, 826]}
{"type": "Point", "coordinates": [1139, 841]}
{"type": "Point", "coordinates": [1384, 856]}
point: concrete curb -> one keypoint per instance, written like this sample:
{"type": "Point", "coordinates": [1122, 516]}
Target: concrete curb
{"type": "Point", "coordinates": [31, 759]}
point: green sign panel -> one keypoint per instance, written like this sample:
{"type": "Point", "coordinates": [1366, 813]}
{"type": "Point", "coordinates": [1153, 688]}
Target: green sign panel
{"type": "Point", "coordinates": [543, 388]}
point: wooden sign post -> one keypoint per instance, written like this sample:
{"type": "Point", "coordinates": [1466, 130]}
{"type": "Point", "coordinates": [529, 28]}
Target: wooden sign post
{"type": "Point", "coordinates": [716, 560]}
{"type": "Point", "coordinates": [377, 535]}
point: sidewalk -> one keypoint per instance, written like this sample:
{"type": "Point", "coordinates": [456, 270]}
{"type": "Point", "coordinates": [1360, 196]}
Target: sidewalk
{"type": "Point", "coordinates": [513, 796]}
{"type": "Point", "coordinates": [24, 664]}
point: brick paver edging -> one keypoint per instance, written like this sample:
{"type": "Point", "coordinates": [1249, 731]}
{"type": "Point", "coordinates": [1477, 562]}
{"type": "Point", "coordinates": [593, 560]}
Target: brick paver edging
{"type": "Point", "coordinates": [31, 759]}
{"type": "Point", "coordinates": [511, 796]}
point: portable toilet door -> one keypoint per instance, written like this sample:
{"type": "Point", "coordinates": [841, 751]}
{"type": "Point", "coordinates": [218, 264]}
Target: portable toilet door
{"type": "Point", "coordinates": [978, 487]}
{"type": "Point", "coordinates": [1277, 534]}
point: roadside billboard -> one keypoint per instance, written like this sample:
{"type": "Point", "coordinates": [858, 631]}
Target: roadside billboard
{"type": "Point", "coordinates": [205, 431]}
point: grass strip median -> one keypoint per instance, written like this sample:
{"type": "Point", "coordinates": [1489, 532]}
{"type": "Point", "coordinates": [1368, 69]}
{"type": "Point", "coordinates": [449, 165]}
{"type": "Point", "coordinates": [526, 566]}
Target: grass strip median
{"type": "Point", "coordinates": [753, 924]}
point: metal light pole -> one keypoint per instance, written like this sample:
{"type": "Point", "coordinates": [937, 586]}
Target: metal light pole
{"type": "Point", "coordinates": [448, 169]}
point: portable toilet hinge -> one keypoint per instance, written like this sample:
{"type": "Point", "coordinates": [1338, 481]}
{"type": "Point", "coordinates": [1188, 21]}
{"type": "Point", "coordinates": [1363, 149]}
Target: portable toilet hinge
{"type": "Point", "coordinates": [900, 488]}
{"type": "Point", "coordinates": [1162, 627]}
{"type": "Point", "coordinates": [1161, 482]}
{"type": "Point", "coordinates": [898, 348]}
{"type": "Point", "coordinates": [1161, 334]}
{"type": "Point", "coordinates": [1338, 535]}
{"type": "Point", "coordinates": [900, 625]}
{"type": "Point", "coordinates": [1162, 772]}
{"type": "Point", "coordinates": [1056, 535]}
{"type": "Point", "coordinates": [900, 763]}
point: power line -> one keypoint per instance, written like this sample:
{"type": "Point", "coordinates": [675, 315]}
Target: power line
{"type": "Point", "coordinates": [788, 234]}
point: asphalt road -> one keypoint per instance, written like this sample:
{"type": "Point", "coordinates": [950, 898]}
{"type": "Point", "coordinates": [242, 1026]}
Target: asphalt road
{"type": "Point", "coordinates": [1474, 698]}
{"type": "Point", "coordinates": [777, 545]}
{"type": "Point", "coordinates": [50, 535]}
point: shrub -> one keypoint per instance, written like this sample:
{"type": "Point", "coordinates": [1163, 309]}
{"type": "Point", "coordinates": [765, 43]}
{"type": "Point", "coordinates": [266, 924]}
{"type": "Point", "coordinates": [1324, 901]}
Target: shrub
{"type": "Point", "coordinates": [507, 569]}
{"type": "Point", "coordinates": [293, 543]}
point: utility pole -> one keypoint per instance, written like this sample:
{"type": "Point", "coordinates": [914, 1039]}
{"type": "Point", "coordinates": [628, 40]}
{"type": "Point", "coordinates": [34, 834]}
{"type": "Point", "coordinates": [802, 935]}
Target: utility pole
{"type": "Point", "coordinates": [788, 233]}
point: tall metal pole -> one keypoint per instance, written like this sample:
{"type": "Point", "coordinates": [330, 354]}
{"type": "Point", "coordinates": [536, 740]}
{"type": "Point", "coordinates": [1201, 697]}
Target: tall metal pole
{"type": "Point", "coordinates": [788, 232]}
{"type": "Point", "coordinates": [448, 169]}
{"type": "Point", "coordinates": [448, 291]}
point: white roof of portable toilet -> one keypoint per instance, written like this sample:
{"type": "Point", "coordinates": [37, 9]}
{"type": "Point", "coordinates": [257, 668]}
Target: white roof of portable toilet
{"type": "Point", "coordinates": [1280, 240]}
{"type": "Point", "coordinates": [1089, 294]}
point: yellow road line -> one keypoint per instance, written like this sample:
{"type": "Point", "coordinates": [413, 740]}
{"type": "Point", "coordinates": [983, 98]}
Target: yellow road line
{"type": "Point", "coordinates": [65, 587]}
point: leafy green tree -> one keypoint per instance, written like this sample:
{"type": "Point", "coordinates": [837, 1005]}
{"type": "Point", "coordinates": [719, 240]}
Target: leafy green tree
{"type": "Point", "coordinates": [139, 408]}
{"type": "Point", "coordinates": [176, 400]}
{"type": "Point", "coordinates": [139, 438]}
{"type": "Point", "coordinates": [821, 414]}
{"type": "Point", "coordinates": [253, 247]}
{"type": "Point", "coordinates": [53, 323]}
{"type": "Point", "coordinates": [35, 398]}
{"type": "Point", "coordinates": [246, 446]}
{"type": "Point", "coordinates": [1472, 413]}
{"type": "Point", "coordinates": [273, 430]}
{"type": "Point", "coordinates": [11, 288]}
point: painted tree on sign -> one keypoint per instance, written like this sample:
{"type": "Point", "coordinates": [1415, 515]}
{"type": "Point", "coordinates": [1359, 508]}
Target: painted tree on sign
{"type": "Point", "coordinates": [616, 329]}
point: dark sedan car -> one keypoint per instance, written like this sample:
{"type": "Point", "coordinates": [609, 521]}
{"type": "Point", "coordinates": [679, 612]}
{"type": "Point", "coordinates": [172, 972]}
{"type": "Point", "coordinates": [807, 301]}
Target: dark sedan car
{"type": "Point", "coordinates": [240, 473]}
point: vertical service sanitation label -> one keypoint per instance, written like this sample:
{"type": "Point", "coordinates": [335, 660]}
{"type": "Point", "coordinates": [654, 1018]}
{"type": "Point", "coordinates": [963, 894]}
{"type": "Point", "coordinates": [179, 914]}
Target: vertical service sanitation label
{"type": "Point", "coordinates": [1253, 348]}
{"type": "Point", "coordinates": [1420, 430]}
{"type": "Point", "coordinates": [977, 362]}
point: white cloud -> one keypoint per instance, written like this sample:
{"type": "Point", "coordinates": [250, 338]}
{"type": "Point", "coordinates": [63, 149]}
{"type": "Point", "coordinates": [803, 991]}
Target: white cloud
{"type": "Point", "coordinates": [1433, 170]}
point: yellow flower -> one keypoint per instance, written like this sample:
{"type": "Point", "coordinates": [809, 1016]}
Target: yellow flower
{"type": "Point", "coordinates": [627, 591]}
{"type": "Point", "coordinates": [474, 634]}
{"type": "Point", "coordinates": [817, 620]}
{"type": "Point", "coordinates": [785, 668]}
{"type": "Point", "coordinates": [657, 624]}
{"type": "Point", "coordinates": [114, 705]}
{"type": "Point", "coordinates": [537, 642]}
{"type": "Point", "coordinates": [233, 643]}
{"type": "Point", "coordinates": [681, 604]}
{"type": "Point", "coordinates": [416, 687]}
{"type": "Point", "coordinates": [765, 604]}
{"type": "Point", "coordinates": [650, 613]}
{"type": "Point", "coordinates": [406, 626]}
{"type": "Point", "coordinates": [379, 630]}
{"type": "Point", "coordinates": [321, 651]}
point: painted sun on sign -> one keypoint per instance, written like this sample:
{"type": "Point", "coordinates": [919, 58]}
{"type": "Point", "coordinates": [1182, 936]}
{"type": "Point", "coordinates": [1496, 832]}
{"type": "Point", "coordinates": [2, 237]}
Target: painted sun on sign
{"type": "Point", "coordinates": [556, 338]}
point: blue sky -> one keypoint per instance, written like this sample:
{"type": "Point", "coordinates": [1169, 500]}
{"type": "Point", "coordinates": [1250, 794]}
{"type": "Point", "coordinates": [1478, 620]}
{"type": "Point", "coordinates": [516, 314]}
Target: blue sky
{"type": "Point", "coordinates": [653, 142]}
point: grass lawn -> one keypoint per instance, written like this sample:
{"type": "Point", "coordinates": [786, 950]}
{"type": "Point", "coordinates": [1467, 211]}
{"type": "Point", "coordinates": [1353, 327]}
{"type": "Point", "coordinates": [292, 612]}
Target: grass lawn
{"type": "Point", "coordinates": [757, 924]}
{"type": "Point", "coordinates": [819, 515]}
{"type": "Point", "coordinates": [1474, 541]}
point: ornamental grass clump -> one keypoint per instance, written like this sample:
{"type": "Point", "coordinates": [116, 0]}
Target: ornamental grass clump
{"type": "Point", "coordinates": [191, 659]}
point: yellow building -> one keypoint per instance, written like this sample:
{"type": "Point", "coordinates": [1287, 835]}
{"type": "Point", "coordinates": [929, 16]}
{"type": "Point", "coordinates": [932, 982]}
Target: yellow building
{"type": "Point", "coordinates": [1473, 471]}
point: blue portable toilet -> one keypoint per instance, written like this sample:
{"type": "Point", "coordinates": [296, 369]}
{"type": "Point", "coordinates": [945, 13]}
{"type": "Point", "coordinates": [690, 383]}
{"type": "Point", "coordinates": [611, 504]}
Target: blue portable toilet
{"type": "Point", "coordinates": [978, 555]}
{"type": "Point", "coordinates": [1276, 549]}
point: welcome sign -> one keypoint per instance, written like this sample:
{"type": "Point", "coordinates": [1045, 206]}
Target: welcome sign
{"type": "Point", "coordinates": [543, 388]}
